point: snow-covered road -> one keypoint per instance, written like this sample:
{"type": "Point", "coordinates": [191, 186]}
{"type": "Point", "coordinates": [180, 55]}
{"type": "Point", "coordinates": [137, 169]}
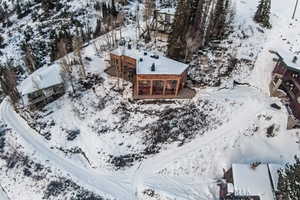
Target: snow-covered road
{"type": "Point", "coordinates": [254, 103]}
{"type": "Point", "coordinates": [131, 183]}
{"type": "Point", "coordinates": [114, 185]}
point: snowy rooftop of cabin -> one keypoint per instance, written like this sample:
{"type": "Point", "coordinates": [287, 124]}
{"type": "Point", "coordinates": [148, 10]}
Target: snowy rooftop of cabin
{"type": "Point", "coordinates": [288, 58]}
{"type": "Point", "coordinates": [42, 78]}
{"type": "Point", "coordinates": [250, 181]}
{"type": "Point", "coordinates": [163, 65]}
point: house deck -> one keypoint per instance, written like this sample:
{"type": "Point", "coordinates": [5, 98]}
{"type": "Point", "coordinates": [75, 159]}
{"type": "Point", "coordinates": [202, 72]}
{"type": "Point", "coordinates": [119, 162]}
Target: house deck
{"type": "Point", "coordinates": [184, 93]}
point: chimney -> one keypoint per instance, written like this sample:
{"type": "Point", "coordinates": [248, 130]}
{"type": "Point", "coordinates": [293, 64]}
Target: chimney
{"type": "Point", "coordinates": [295, 59]}
{"type": "Point", "coordinates": [153, 67]}
{"type": "Point", "coordinates": [129, 46]}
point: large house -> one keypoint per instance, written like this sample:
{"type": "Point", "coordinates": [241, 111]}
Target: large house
{"type": "Point", "coordinates": [250, 182]}
{"type": "Point", "coordinates": [153, 76]}
{"type": "Point", "coordinates": [286, 83]}
{"type": "Point", "coordinates": [42, 87]}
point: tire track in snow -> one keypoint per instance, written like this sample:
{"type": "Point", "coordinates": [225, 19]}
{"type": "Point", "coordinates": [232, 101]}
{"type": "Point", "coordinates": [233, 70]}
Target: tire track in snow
{"type": "Point", "coordinates": [247, 113]}
{"type": "Point", "coordinates": [114, 185]}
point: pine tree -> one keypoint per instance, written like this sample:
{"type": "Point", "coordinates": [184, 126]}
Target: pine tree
{"type": "Point", "coordinates": [177, 39]}
{"type": "Point", "coordinates": [262, 15]}
{"type": "Point", "coordinates": [219, 21]}
{"type": "Point", "coordinates": [8, 82]}
{"type": "Point", "coordinates": [289, 181]}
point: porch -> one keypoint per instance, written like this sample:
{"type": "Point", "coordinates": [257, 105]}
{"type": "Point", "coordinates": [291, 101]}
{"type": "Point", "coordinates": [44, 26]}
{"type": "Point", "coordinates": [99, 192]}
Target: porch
{"type": "Point", "coordinates": [161, 89]}
{"type": "Point", "coordinates": [184, 93]}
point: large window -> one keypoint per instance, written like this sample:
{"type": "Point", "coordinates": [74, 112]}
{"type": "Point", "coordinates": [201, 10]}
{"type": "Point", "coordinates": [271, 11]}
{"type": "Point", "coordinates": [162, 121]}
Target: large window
{"type": "Point", "coordinates": [144, 87]}
{"type": "Point", "coordinates": [171, 86]}
{"type": "Point", "coordinates": [158, 88]}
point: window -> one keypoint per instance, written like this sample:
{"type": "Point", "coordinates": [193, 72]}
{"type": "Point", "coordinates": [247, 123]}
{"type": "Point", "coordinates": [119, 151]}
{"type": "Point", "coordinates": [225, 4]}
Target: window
{"type": "Point", "coordinates": [168, 18]}
{"type": "Point", "coordinates": [158, 88]}
{"type": "Point", "coordinates": [144, 87]}
{"type": "Point", "coordinates": [171, 86]}
{"type": "Point", "coordinates": [294, 75]}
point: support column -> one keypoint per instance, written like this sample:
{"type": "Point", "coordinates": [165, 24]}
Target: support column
{"type": "Point", "coordinates": [165, 85]}
{"type": "Point", "coordinates": [177, 87]}
{"type": "Point", "coordinates": [137, 86]}
{"type": "Point", "coordinates": [151, 87]}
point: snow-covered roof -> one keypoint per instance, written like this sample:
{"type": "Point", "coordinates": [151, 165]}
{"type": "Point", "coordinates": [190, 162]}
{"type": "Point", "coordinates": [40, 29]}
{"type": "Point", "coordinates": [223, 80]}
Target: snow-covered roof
{"type": "Point", "coordinates": [170, 11]}
{"type": "Point", "coordinates": [145, 60]}
{"type": "Point", "coordinates": [42, 78]}
{"type": "Point", "coordinates": [274, 171]}
{"type": "Point", "coordinates": [250, 181]}
{"type": "Point", "coordinates": [288, 58]}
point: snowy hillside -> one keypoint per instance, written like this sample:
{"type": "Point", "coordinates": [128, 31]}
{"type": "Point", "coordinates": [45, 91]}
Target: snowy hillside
{"type": "Point", "coordinates": [31, 23]}
{"type": "Point", "coordinates": [101, 144]}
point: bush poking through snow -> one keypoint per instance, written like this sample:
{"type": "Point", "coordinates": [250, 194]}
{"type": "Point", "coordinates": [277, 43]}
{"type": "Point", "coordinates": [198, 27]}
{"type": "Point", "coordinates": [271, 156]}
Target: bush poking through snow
{"type": "Point", "coordinates": [179, 125]}
{"type": "Point", "coordinates": [61, 186]}
{"type": "Point", "coordinates": [271, 131]}
{"type": "Point", "coordinates": [125, 160]}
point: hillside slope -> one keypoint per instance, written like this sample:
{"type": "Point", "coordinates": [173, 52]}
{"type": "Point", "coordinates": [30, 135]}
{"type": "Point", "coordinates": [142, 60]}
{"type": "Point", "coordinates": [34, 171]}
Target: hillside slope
{"type": "Point", "coordinates": [152, 150]}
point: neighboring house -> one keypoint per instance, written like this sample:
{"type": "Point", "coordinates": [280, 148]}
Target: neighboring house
{"type": "Point", "coordinates": [153, 76]}
{"type": "Point", "coordinates": [250, 182]}
{"type": "Point", "coordinates": [42, 87]}
{"type": "Point", "coordinates": [163, 20]}
{"type": "Point", "coordinates": [286, 83]}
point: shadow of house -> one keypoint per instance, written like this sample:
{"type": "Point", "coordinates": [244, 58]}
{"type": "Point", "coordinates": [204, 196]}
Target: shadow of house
{"type": "Point", "coordinates": [44, 86]}
{"type": "Point", "coordinates": [286, 84]}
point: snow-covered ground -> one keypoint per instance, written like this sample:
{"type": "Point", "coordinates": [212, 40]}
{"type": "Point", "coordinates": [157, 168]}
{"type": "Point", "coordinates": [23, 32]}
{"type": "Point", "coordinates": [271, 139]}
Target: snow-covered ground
{"type": "Point", "coordinates": [217, 128]}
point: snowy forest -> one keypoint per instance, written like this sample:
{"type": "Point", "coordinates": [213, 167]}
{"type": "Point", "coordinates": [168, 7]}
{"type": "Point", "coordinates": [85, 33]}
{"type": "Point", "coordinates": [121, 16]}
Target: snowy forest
{"type": "Point", "coordinates": [149, 99]}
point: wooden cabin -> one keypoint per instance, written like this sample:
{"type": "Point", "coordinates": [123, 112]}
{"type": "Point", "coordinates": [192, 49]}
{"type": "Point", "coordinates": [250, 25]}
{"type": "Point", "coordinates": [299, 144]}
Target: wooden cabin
{"type": "Point", "coordinates": [254, 181]}
{"type": "Point", "coordinates": [286, 83]}
{"type": "Point", "coordinates": [44, 86]}
{"type": "Point", "coordinates": [153, 76]}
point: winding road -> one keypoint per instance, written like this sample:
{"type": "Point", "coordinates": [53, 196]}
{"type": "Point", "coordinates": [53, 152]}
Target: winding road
{"type": "Point", "coordinates": [129, 184]}
{"type": "Point", "coordinates": [114, 185]}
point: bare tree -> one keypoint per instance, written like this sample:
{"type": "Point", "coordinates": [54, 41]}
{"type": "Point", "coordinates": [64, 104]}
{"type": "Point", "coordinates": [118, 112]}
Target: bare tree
{"type": "Point", "coordinates": [120, 23]}
{"type": "Point", "coordinates": [29, 59]}
{"type": "Point", "coordinates": [8, 83]}
{"type": "Point", "coordinates": [77, 45]}
{"type": "Point", "coordinates": [66, 66]}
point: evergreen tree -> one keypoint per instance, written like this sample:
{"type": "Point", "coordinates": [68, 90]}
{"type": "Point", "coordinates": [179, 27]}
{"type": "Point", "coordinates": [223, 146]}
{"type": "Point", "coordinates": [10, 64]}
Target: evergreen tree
{"type": "Point", "coordinates": [177, 39]}
{"type": "Point", "coordinates": [8, 82]}
{"type": "Point", "coordinates": [196, 23]}
{"type": "Point", "coordinates": [262, 15]}
{"type": "Point", "coordinates": [18, 9]}
{"type": "Point", "coordinates": [219, 19]}
{"type": "Point", "coordinates": [289, 181]}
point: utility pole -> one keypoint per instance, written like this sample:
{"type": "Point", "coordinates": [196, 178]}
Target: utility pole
{"type": "Point", "coordinates": [296, 6]}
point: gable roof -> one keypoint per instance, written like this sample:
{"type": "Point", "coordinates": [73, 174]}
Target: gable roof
{"type": "Point", "coordinates": [44, 77]}
{"type": "Point", "coordinates": [144, 59]}
{"type": "Point", "coordinates": [287, 57]}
